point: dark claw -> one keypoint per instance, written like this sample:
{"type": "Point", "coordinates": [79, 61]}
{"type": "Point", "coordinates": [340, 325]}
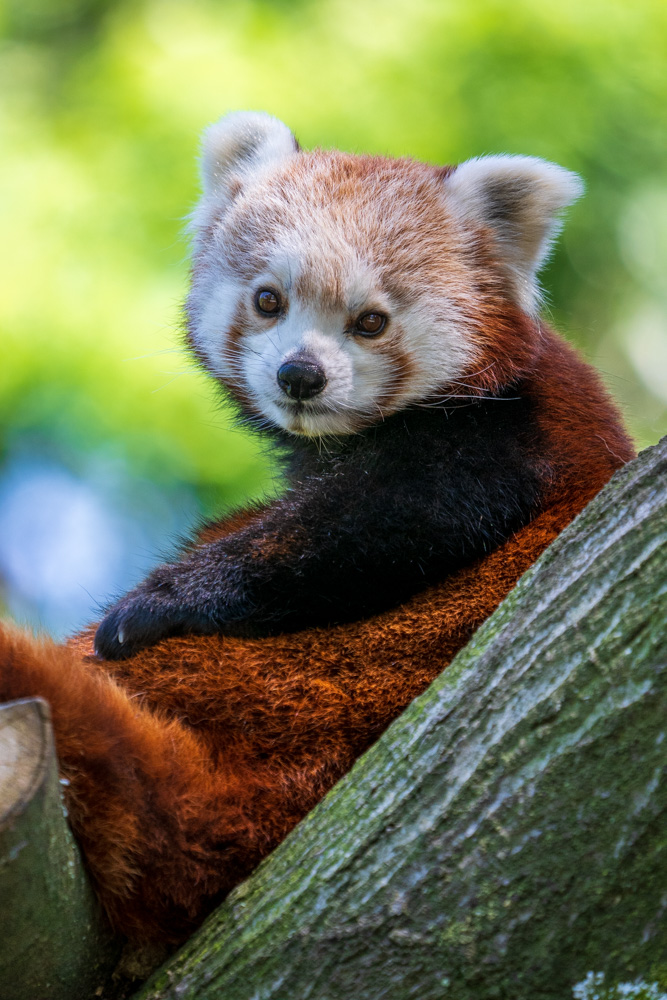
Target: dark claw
{"type": "Point", "coordinates": [129, 627]}
{"type": "Point", "coordinates": [143, 618]}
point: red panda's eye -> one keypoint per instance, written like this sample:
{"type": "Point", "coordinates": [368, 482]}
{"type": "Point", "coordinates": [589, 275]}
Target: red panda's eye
{"type": "Point", "coordinates": [370, 324]}
{"type": "Point", "coordinates": [267, 301]}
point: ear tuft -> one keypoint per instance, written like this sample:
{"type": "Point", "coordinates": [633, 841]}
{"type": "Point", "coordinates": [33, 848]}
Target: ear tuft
{"type": "Point", "coordinates": [239, 145]}
{"type": "Point", "coordinates": [519, 199]}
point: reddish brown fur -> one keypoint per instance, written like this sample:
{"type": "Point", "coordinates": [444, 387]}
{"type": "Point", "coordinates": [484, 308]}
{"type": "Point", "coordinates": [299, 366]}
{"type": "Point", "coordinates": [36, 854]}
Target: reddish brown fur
{"type": "Point", "coordinates": [401, 368]}
{"type": "Point", "coordinates": [378, 206]}
{"type": "Point", "coordinates": [189, 762]}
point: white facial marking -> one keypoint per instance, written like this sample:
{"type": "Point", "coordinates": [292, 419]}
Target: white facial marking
{"type": "Point", "coordinates": [216, 315]}
{"type": "Point", "coordinates": [320, 338]}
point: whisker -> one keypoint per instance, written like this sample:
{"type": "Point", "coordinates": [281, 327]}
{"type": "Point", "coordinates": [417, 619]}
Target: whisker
{"type": "Point", "coordinates": [154, 354]}
{"type": "Point", "coordinates": [160, 387]}
{"type": "Point", "coordinates": [480, 372]}
{"type": "Point", "coordinates": [478, 399]}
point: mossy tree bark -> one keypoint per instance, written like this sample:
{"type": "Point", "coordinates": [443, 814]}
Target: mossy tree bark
{"type": "Point", "coordinates": [55, 943]}
{"type": "Point", "coordinates": [508, 833]}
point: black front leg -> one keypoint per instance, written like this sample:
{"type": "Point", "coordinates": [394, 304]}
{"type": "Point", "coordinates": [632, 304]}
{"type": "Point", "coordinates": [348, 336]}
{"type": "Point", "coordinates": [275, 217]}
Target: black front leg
{"type": "Point", "coordinates": [403, 507]}
{"type": "Point", "coordinates": [255, 581]}
{"type": "Point", "coordinates": [153, 611]}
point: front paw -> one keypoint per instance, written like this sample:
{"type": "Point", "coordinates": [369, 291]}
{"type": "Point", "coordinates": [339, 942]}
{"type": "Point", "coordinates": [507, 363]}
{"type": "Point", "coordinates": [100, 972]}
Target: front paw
{"type": "Point", "coordinates": [135, 622]}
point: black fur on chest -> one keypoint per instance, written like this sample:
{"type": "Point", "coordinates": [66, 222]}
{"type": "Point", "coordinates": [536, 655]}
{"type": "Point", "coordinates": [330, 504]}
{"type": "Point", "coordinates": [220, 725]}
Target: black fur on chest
{"type": "Point", "coordinates": [486, 454]}
{"type": "Point", "coordinates": [387, 511]}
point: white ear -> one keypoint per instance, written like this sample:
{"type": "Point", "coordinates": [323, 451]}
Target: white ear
{"type": "Point", "coordinates": [519, 198]}
{"type": "Point", "coordinates": [239, 145]}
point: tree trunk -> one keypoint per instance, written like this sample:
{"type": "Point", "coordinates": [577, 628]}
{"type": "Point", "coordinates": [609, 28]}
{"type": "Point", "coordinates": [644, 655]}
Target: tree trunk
{"type": "Point", "coordinates": [55, 942]}
{"type": "Point", "coordinates": [508, 834]}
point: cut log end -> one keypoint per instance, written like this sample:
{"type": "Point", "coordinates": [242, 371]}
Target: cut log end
{"type": "Point", "coordinates": [25, 750]}
{"type": "Point", "coordinates": [56, 943]}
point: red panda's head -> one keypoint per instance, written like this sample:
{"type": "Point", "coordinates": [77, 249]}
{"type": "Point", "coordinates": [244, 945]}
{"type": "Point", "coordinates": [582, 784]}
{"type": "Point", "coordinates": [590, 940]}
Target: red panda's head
{"type": "Point", "coordinates": [330, 290]}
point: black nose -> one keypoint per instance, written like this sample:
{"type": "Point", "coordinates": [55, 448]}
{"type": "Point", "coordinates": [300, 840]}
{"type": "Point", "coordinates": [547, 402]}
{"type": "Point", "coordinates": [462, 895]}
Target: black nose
{"type": "Point", "coordinates": [301, 378]}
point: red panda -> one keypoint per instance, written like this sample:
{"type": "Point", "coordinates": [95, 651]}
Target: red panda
{"type": "Point", "coordinates": [378, 321]}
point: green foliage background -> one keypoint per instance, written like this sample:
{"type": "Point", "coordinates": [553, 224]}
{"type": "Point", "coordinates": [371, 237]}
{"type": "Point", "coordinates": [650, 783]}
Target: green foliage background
{"type": "Point", "coordinates": [101, 107]}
